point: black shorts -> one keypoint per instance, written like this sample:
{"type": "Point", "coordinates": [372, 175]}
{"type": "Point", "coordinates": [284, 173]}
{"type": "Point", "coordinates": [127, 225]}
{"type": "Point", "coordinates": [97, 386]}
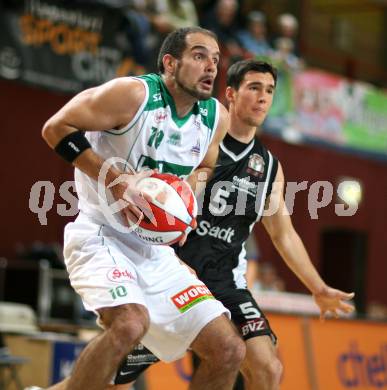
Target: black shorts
{"type": "Point", "coordinates": [245, 313]}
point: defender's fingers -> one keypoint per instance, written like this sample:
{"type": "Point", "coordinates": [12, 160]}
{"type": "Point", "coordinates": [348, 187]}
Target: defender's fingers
{"type": "Point", "coordinates": [346, 307]}
{"type": "Point", "coordinates": [183, 239]}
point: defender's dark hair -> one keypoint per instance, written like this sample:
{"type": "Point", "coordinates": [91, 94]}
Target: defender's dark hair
{"type": "Point", "coordinates": [175, 43]}
{"type": "Point", "coordinates": [237, 71]}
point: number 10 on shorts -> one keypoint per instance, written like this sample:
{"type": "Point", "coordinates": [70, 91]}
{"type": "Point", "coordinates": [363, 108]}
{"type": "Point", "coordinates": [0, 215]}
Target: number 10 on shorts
{"type": "Point", "coordinates": [119, 291]}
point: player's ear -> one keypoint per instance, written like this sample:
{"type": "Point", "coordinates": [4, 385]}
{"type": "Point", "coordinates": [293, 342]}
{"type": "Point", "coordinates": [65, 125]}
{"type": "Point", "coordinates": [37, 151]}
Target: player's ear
{"type": "Point", "coordinates": [230, 94]}
{"type": "Point", "coordinates": [169, 63]}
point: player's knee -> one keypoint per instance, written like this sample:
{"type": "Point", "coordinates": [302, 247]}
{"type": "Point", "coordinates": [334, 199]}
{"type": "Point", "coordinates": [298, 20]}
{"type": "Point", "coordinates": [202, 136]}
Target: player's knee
{"type": "Point", "coordinates": [275, 371]}
{"type": "Point", "coordinates": [233, 352]}
{"type": "Point", "coordinates": [271, 371]}
{"type": "Point", "coordinates": [129, 327]}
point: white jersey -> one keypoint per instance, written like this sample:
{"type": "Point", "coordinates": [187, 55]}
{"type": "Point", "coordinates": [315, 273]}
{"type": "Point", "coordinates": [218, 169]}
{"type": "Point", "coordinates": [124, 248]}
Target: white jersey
{"type": "Point", "coordinates": [155, 138]}
{"type": "Point", "coordinates": [109, 268]}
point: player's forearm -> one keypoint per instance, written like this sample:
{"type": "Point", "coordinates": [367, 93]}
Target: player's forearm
{"type": "Point", "coordinates": [199, 178]}
{"type": "Point", "coordinates": [91, 163]}
{"type": "Point", "coordinates": [293, 252]}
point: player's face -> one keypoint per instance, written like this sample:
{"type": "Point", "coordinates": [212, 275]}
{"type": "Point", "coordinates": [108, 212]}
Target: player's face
{"type": "Point", "coordinates": [196, 70]}
{"type": "Point", "coordinates": [253, 99]}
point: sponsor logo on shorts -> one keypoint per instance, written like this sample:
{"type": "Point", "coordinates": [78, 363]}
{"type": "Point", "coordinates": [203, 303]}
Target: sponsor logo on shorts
{"type": "Point", "coordinates": [256, 325]}
{"type": "Point", "coordinates": [189, 297]}
{"type": "Point", "coordinates": [120, 275]}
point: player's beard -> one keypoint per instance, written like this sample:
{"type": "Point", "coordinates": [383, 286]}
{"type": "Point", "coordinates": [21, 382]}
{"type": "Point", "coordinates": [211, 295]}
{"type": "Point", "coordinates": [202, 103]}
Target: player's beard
{"type": "Point", "coordinates": [190, 90]}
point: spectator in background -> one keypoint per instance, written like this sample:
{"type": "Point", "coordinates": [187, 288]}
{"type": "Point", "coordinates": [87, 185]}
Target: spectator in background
{"type": "Point", "coordinates": [172, 14]}
{"type": "Point", "coordinates": [253, 38]}
{"type": "Point", "coordinates": [284, 56]}
{"type": "Point", "coordinates": [157, 18]}
{"type": "Point", "coordinates": [266, 277]}
{"type": "Point", "coordinates": [287, 27]}
{"type": "Point", "coordinates": [137, 28]}
{"type": "Point", "coordinates": [222, 20]}
{"type": "Point", "coordinates": [377, 311]}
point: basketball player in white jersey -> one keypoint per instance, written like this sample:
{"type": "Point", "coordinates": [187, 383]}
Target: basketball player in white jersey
{"type": "Point", "coordinates": [168, 122]}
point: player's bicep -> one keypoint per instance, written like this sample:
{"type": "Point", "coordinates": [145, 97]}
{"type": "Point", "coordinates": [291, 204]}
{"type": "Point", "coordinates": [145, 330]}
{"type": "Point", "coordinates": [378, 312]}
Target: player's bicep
{"type": "Point", "coordinates": [109, 106]}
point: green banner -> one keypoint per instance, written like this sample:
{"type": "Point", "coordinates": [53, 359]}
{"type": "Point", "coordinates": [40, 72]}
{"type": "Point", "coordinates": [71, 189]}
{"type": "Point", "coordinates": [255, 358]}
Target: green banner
{"type": "Point", "coordinates": [317, 106]}
{"type": "Point", "coordinates": [366, 127]}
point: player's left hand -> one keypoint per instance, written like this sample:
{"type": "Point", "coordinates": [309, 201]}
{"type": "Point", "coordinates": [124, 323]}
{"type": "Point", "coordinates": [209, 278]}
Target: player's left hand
{"type": "Point", "coordinates": [332, 301]}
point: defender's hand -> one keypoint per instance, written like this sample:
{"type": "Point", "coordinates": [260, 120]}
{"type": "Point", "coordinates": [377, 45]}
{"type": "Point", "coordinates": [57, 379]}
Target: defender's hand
{"type": "Point", "coordinates": [332, 301]}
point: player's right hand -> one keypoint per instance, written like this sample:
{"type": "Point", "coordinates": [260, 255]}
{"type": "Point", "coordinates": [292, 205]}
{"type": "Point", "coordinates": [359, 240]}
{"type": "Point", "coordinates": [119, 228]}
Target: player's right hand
{"type": "Point", "coordinates": [134, 203]}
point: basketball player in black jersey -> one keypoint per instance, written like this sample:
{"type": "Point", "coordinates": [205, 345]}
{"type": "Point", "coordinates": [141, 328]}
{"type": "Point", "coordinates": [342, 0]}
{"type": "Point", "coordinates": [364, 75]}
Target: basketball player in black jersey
{"type": "Point", "coordinates": [247, 178]}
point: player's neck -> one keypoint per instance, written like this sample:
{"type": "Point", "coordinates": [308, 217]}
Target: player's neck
{"type": "Point", "coordinates": [241, 131]}
{"type": "Point", "coordinates": [183, 101]}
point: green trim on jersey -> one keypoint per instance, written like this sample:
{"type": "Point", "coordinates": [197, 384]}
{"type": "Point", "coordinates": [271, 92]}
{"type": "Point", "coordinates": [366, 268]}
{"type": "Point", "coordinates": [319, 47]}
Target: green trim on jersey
{"type": "Point", "coordinates": [180, 121]}
{"type": "Point", "coordinates": [155, 99]}
{"type": "Point", "coordinates": [207, 109]}
{"type": "Point", "coordinates": [163, 166]}
{"type": "Point", "coordinates": [159, 96]}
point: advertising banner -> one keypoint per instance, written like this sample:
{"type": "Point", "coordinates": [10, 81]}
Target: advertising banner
{"type": "Point", "coordinates": [349, 354]}
{"type": "Point", "coordinates": [332, 109]}
{"type": "Point", "coordinates": [292, 351]}
{"type": "Point", "coordinates": [329, 109]}
{"type": "Point", "coordinates": [65, 354]}
{"type": "Point", "coordinates": [329, 355]}
{"type": "Point", "coordinates": [63, 46]}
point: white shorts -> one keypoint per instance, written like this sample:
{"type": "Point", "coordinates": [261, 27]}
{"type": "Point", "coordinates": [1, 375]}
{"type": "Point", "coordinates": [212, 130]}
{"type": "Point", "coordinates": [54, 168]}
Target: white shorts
{"type": "Point", "coordinates": [108, 268]}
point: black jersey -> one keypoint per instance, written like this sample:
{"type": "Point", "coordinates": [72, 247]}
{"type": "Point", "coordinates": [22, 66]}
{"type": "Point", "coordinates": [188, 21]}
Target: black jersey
{"type": "Point", "coordinates": [231, 204]}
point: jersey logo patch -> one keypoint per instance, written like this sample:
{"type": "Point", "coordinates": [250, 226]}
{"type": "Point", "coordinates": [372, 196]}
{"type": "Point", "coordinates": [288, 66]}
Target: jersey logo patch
{"type": "Point", "coordinates": [256, 165]}
{"type": "Point", "coordinates": [186, 299]}
{"type": "Point", "coordinates": [160, 116]}
{"type": "Point", "coordinates": [196, 148]}
{"type": "Point", "coordinates": [174, 138]}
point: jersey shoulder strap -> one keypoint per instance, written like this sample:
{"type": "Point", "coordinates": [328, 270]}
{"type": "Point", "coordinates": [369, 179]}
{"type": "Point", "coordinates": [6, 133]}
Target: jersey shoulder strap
{"type": "Point", "coordinates": [154, 86]}
{"type": "Point", "coordinates": [209, 112]}
{"type": "Point", "coordinates": [271, 164]}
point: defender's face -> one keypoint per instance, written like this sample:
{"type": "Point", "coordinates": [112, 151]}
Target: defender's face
{"type": "Point", "coordinates": [253, 99]}
{"type": "Point", "coordinates": [196, 70]}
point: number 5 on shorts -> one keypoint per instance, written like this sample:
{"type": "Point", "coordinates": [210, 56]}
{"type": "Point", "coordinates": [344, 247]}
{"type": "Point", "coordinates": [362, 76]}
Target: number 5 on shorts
{"type": "Point", "coordinates": [249, 311]}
